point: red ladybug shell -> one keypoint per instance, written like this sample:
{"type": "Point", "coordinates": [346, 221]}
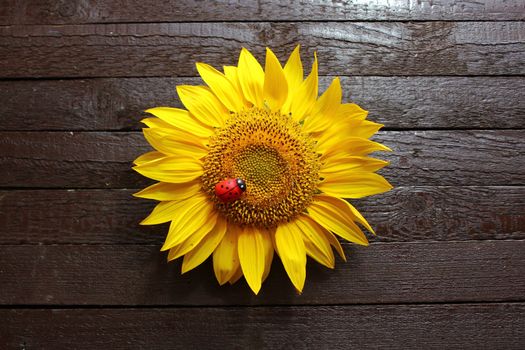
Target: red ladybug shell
{"type": "Point", "coordinates": [230, 190]}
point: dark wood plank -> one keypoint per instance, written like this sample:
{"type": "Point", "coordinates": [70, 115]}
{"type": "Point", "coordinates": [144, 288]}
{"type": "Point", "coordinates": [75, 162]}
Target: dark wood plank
{"type": "Point", "coordinates": [378, 274]}
{"type": "Point", "coordinates": [362, 48]}
{"type": "Point", "coordinates": [71, 159]}
{"type": "Point", "coordinates": [402, 215]}
{"type": "Point", "coordinates": [468, 326]}
{"type": "Point", "coordinates": [447, 213]}
{"type": "Point", "coordinates": [397, 102]}
{"type": "Point", "coordinates": [103, 160]}
{"type": "Point", "coordinates": [455, 157]}
{"type": "Point", "coordinates": [96, 11]}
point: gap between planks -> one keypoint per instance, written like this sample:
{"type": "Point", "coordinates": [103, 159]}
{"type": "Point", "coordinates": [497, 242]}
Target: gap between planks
{"type": "Point", "coordinates": [243, 306]}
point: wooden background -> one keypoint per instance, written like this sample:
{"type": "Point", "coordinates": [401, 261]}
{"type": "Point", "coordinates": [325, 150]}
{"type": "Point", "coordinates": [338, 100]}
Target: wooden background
{"type": "Point", "coordinates": [447, 269]}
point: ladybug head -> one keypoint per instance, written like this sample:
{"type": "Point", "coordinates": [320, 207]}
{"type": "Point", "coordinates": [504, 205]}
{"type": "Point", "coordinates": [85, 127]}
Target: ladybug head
{"type": "Point", "coordinates": [241, 184]}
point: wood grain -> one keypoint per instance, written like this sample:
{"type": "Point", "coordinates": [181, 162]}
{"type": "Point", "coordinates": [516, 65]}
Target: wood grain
{"type": "Point", "coordinates": [382, 273]}
{"type": "Point", "coordinates": [95, 11]}
{"type": "Point", "coordinates": [468, 326]}
{"type": "Point", "coordinates": [404, 214]}
{"type": "Point", "coordinates": [349, 48]}
{"type": "Point", "coordinates": [103, 159]}
{"type": "Point", "coordinates": [446, 271]}
{"type": "Point", "coordinates": [397, 102]}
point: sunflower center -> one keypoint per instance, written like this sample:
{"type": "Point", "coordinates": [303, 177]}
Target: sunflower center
{"type": "Point", "coordinates": [265, 170]}
{"type": "Point", "coordinates": [275, 159]}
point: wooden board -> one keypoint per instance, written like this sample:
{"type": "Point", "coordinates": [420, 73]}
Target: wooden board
{"type": "Point", "coordinates": [397, 102]}
{"type": "Point", "coordinates": [103, 159]}
{"type": "Point", "coordinates": [383, 273]}
{"type": "Point", "coordinates": [77, 11]}
{"type": "Point", "coordinates": [467, 326]}
{"type": "Point", "coordinates": [405, 214]}
{"type": "Point", "coordinates": [446, 271]}
{"type": "Point", "coordinates": [360, 48]}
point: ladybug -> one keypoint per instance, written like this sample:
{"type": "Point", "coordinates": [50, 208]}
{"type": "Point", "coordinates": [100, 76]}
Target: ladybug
{"type": "Point", "coordinates": [230, 190]}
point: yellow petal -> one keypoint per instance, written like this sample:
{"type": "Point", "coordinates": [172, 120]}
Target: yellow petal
{"type": "Point", "coordinates": [348, 128]}
{"type": "Point", "coordinates": [148, 157]}
{"type": "Point", "coordinates": [306, 95]}
{"type": "Point", "coordinates": [203, 104]}
{"type": "Point", "coordinates": [349, 164]}
{"type": "Point", "coordinates": [351, 111]}
{"type": "Point", "coordinates": [158, 124]}
{"type": "Point", "coordinates": [334, 242]}
{"type": "Point", "coordinates": [361, 128]}
{"type": "Point", "coordinates": [354, 184]}
{"type": "Point", "coordinates": [316, 244]}
{"type": "Point", "coordinates": [181, 119]}
{"type": "Point", "coordinates": [162, 191]}
{"type": "Point", "coordinates": [251, 78]}
{"type": "Point", "coordinates": [275, 88]}
{"type": "Point", "coordinates": [290, 244]}
{"type": "Point", "coordinates": [268, 251]}
{"type": "Point", "coordinates": [293, 71]}
{"type": "Point", "coordinates": [348, 146]}
{"type": "Point", "coordinates": [221, 87]}
{"type": "Point", "coordinates": [195, 213]}
{"type": "Point", "coordinates": [231, 72]}
{"type": "Point", "coordinates": [226, 257]}
{"type": "Point", "coordinates": [353, 212]}
{"type": "Point", "coordinates": [176, 143]}
{"type": "Point", "coordinates": [163, 212]}
{"type": "Point", "coordinates": [336, 217]}
{"type": "Point", "coordinates": [171, 169]}
{"type": "Point", "coordinates": [360, 218]}
{"type": "Point", "coordinates": [193, 239]}
{"type": "Point", "coordinates": [325, 108]}
{"type": "Point", "coordinates": [251, 247]}
{"type": "Point", "coordinates": [236, 276]}
{"type": "Point", "coordinates": [165, 129]}
{"type": "Point", "coordinates": [206, 247]}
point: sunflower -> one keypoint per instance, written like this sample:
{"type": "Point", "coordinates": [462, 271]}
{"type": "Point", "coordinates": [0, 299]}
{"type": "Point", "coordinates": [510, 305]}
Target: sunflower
{"type": "Point", "coordinates": [296, 155]}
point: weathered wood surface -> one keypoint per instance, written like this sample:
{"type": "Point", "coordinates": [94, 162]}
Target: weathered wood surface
{"type": "Point", "coordinates": [467, 326]}
{"type": "Point", "coordinates": [404, 214]}
{"type": "Point", "coordinates": [349, 48]}
{"type": "Point", "coordinates": [446, 269]}
{"type": "Point", "coordinates": [383, 273]}
{"type": "Point", "coordinates": [96, 11]}
{"type": "Point", "coordinates": [397, 102]}
{"type": "Point", "coordinates": [103, 159]}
